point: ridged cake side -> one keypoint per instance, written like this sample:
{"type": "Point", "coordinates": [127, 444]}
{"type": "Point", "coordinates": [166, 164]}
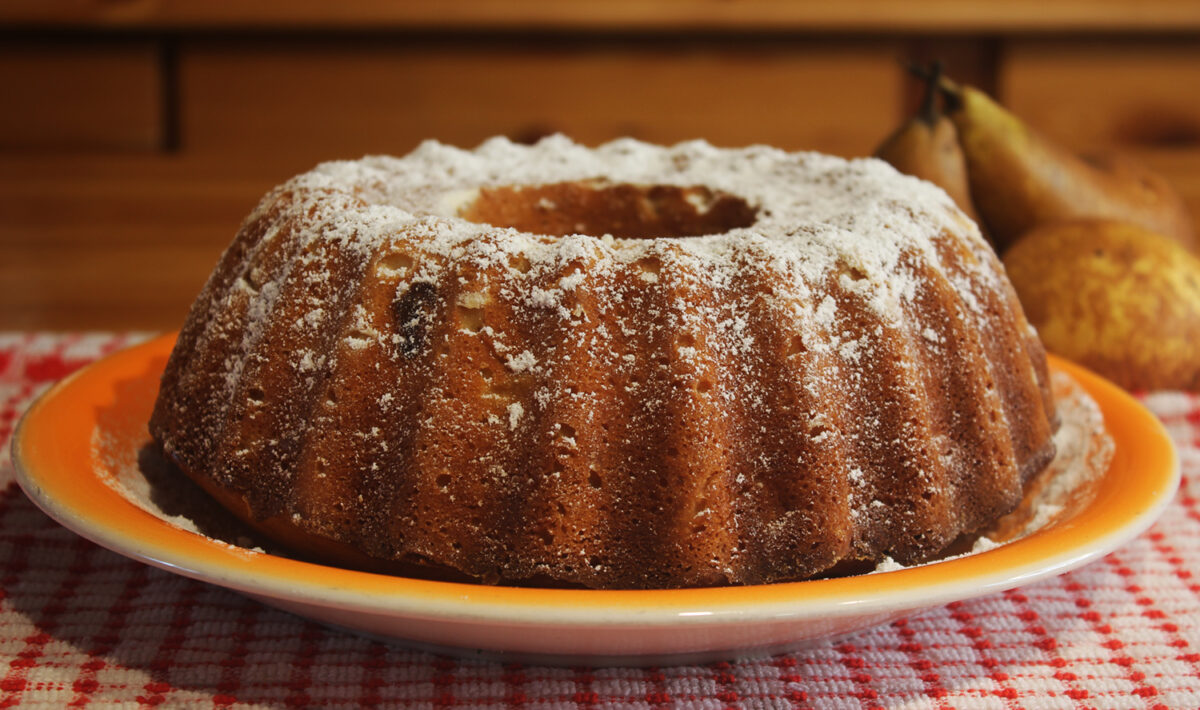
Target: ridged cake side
{"type": "Point", "coordinates": [846, 378]}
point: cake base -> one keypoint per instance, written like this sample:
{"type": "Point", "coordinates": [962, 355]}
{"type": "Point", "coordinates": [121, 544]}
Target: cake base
{"type": "Point", "coordinates": [154, 483]}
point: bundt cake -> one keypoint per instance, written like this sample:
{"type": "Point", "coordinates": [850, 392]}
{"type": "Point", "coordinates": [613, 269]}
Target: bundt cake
{"type": "Point", "coordinates": [624, 367]}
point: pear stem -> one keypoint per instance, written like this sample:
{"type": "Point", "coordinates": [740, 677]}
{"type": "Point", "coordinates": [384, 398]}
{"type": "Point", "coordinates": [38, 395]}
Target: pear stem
{"type": "Point", "coordinates": [929, 110]}
{"type": "Point", "coordinates": [951, 95]}
{"type": "Point", "coordinates": [936, 82]}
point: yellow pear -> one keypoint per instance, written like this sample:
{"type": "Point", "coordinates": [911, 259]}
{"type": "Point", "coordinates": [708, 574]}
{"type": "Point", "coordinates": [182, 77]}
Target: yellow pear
{"type": "Point", "coordinates": [926, 146]}
{"type": "Point", "coordinates": [1114, 297]}
{"type": "Point", "coordinates": [1020, 179]}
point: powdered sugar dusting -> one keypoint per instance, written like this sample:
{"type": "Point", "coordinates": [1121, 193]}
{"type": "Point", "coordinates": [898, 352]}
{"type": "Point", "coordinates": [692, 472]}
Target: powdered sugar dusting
{"type": "Point", "coordinates": [816, 214]}
{"type": "Point", "coordinates": [820, 220]}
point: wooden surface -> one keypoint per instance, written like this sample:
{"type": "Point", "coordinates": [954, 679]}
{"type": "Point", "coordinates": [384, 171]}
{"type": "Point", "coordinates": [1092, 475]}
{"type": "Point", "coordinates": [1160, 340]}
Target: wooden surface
{"type": "Point", "coordinates": [135, 151]}
{"type": "Point", "coordinates": [672, 15]}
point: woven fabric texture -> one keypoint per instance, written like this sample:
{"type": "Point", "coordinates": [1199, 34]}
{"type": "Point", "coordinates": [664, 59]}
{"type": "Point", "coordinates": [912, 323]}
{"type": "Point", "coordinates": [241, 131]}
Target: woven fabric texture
{"type": "Point", "coordinates": [81, 626]}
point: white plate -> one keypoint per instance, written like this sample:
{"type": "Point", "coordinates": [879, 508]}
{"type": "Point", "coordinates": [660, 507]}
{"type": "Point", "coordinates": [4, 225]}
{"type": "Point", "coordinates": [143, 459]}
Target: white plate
{"type": "Point", "coordinates": [60, 460]}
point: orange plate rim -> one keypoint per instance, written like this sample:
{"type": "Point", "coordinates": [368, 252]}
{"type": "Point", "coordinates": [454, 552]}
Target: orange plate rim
{"type": "Point", "coordinates": [55, 466]}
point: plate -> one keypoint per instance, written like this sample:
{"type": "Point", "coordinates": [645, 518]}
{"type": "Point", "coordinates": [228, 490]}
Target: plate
{"type": "Point", "coordinates": [106, 405]}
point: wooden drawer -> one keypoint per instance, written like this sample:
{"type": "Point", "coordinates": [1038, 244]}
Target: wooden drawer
{"type": "Point", "coordinates": [288, 106]}
{"type": "Point", "coordinates": [103, 95]}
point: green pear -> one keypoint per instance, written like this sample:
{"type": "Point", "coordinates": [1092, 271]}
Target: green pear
{"type": "Point", "coordinates": [1113, 297]}
{"type": "Point", "coordinates": [1020, 179]}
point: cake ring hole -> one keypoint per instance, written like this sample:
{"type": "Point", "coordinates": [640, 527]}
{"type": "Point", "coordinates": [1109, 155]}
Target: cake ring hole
{"type": "Point", "coordinates": [598, 208]}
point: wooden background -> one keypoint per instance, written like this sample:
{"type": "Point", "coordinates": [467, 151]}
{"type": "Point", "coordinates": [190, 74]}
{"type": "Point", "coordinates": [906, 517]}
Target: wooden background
{"type": "Point", "coordinates": [136, 134]}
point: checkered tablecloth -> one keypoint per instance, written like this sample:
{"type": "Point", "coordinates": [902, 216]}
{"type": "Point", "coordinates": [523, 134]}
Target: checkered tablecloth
{"type": "Point", "coordinates": [81, 626]}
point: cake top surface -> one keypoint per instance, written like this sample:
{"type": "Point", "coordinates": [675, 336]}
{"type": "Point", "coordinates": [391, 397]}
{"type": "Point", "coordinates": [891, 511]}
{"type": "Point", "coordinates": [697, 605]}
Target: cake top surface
{"type": "Point", "coordinates": [812, 213]}
{"type": "Point", "coordinates": [814, 218]}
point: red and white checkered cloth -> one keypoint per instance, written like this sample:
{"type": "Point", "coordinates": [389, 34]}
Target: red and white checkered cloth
{"type": "Point", "coordinates": [82, 626]}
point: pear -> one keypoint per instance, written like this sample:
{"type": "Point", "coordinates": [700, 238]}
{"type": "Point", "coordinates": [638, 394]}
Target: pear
{"type": "Point", "coordinates": [1113, 297]}
{"type": "Point", "coordinates": [1020, 179]}
{"type": "Point", "coordinates": [926, 146]}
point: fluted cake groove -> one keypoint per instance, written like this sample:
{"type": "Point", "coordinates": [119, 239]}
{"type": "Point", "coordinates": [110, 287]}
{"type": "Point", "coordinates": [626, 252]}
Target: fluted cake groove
{"type": "Point", "coordinates": [841, 372]}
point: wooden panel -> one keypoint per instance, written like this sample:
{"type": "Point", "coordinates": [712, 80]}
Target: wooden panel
{"type": "Point", "coordinates": [82, 96]}
{"type": "Point", "coordinates": [1131, 94]}
{"type": "Point", "coordinates": [287, 107]}
{"type": "Point", "coordinates": [1137, 97]}
{"type": "Point", "coordinates": [762, 15]}
{"type": "Point", "coordinates": [110, 243]}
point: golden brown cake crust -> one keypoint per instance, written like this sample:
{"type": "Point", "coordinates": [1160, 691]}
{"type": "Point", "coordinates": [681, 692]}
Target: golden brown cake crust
{"type": "Point", "coordinates": [629, 366]}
